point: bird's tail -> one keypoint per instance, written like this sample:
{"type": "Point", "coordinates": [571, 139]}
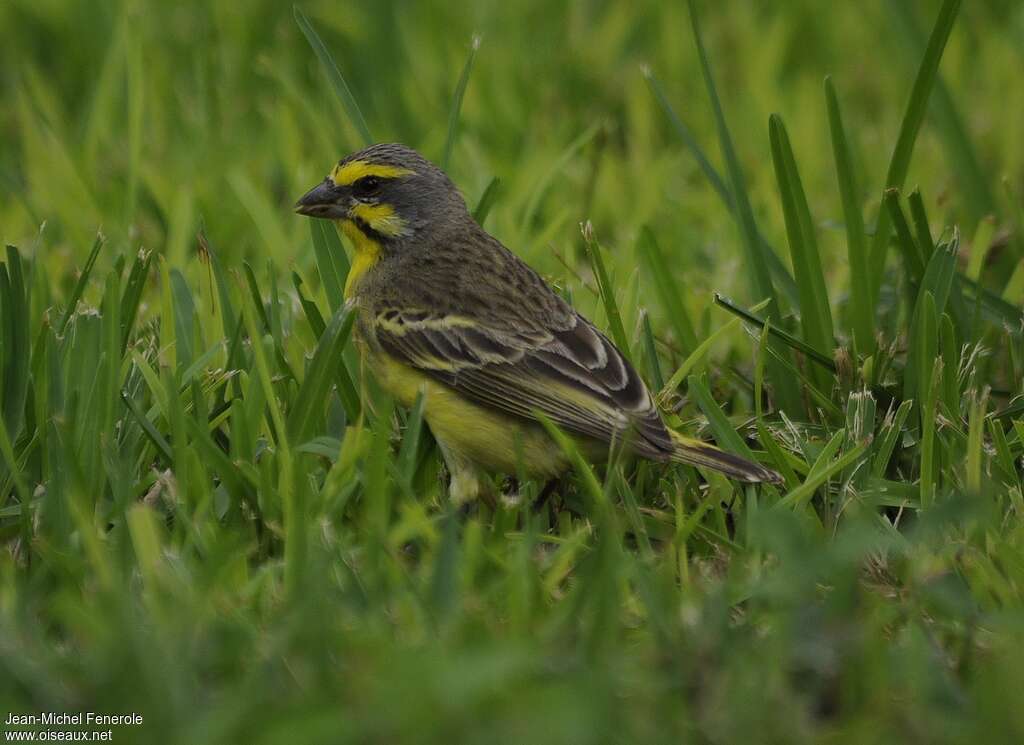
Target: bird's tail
{"type": "Point", "coordinates": [697, 453]}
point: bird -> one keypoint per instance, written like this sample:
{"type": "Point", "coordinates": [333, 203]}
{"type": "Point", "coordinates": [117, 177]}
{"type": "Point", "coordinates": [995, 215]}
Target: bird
{"type": "Point", "coordinates": [444, 310]}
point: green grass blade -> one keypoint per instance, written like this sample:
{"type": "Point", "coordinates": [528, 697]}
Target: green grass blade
{"type": "Point", "coordinates": [975, 440]}
{"type": "Point", "coordinates": [10, 460]}
{"type": "Point", "coordinates": [684, 369]}
{"type": "Point", "coordinates": [228, 316]}
{"type": "Point", "coordinates": [784, 336]}
{"type": "Point", "coordinates": [135, 90]}
{"type": "Point", "coordinates": [444, 581]}
{"type": "Point", "coordinates": [331, 261]}
{"type": "Point", "coordinates": [15, 352]}
{"type": "Point", "coordinates": [606, 290]}
{"type": "Point", "coordinates": [311, 400]}
{"type": "Point", "coordinates": [184, 316]}
{"type": "Point", "coordinates": [487, 200]}
{"type": "Point", "coordinates": [274, 309]}
{"type": "Point", "coordinates": [778, 270]}
{"type": "Point", "coordinates": [83, 279]}
{"type": "Point", "coordinates": [669, 292]}
{"type": "Point", "coordinates": [151, 432]}
{"type": "Point", "coordinates": [254, 292]}
{"type": "Point", "coordinates": [346, 388]}
{"type": "Point", "coordinates": [815, 314]}
{"type": "Point", "coordinates": [109, 379]}
{"type": "Point", "coordinates": [861, 309]}
{"type": "Point", "coordinates": [592, 487]}
{"type": "Point", "coordinates": [313, 315]}
{"type": "Point", "coordinates": [761, 283]}
{"type": "Point", "coordinates": [922, 233]}
{"type": "Point", "coordinates": [134, 286]}
{"type": "Point", "coordinates": [725, 433]}
{"type": "Point", "coordinates": [941, 272]}
{"type": "Point", "coordinates": [335, 77]}
{"type": "Point", "coordinates": [710, 172]}
{"type": "Point", "coordinates": [913, 263]}
{"type": "Point", "coordinates": [924, 343]}
{"type": "Point", "coordinates": [812, 395]}
{"type": "Point", "coordinates": [928, 414]}
{"type": "Point", "coordinates": [407, 456]}
{"type": "Point", "coordinates": [460, 91]}
{"type": "Point", "coordinates": [821, 473]}
{"type": "Point", "coordinates": [652, 366]}
{"type": "Point", "coordinates": [913, 117]}
{"type": "Point", "coordinates": [348, 394]}
{"type": "Point", "coordinates": [756, 260]}
{"type": "Point", "coordinates": [980, 247]}
{"type": "Point", "coordinates": [1004, 457]}
{"type": "Point", "coordinates": [889, 434]}
{"type": "Point", "coordinates": [975, 189]}
{"type": "Point", "coordinates": [257, 344]}
{"type": "Point", "coordinates": [826, 453]}
{"type": "Point", "coordinates": [688, 365]}
{"type": "Point", "coordinates": [999, 310]}
{"type": "Point", "coordinates": [949, 348]}
{"type": "Point", "coordinates": [781, 462]}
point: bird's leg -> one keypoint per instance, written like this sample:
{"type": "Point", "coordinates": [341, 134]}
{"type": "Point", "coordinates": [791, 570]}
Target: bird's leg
{"type": "Point", "coordinates": [545, 494]}
{"type": "Point", "coordinates": [468, 481]}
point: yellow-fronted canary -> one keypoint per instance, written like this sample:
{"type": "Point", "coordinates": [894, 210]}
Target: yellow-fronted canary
{"type": "Point", "coordinates": [445, 309]}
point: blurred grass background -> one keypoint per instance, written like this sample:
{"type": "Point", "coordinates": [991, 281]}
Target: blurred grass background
{"type": "Point", "coordinates": [306, 582]}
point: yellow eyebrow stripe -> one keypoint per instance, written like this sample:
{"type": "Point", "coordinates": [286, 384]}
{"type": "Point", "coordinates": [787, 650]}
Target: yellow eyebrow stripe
{"type": "Point", "coordinates": [349, 173]}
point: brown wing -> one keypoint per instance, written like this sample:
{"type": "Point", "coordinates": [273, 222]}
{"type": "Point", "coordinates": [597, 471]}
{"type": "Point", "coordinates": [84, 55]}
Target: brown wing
{"type": "Point", "coordinates": [573, 375]}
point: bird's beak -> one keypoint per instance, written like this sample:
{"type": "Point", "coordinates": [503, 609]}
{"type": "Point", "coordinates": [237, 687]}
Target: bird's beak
{"type": "Point", "coordinates": [324, 200]}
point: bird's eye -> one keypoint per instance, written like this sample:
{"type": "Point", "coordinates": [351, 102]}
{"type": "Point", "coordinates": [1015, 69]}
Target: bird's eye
{"type": "Point", "coordinates": [367, 186]}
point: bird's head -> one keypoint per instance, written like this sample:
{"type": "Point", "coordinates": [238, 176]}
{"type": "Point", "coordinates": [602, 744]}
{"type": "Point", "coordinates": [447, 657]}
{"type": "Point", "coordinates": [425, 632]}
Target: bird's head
{"type": "Point", "coordinates": [387, 193]}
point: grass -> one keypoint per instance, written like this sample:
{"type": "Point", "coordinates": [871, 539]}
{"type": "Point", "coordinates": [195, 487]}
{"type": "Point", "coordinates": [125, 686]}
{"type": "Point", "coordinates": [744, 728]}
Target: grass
{"type": "Point", "coordinates": [209, 517]}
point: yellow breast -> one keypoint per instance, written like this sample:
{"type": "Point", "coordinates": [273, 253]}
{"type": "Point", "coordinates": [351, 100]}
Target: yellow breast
{"type": "Point", "coordinates": [492, 440]}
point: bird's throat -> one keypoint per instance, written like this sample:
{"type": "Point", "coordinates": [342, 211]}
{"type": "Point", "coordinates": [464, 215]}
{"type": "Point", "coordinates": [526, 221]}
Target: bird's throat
{"type": "Point", "coordinates": [367, 253]}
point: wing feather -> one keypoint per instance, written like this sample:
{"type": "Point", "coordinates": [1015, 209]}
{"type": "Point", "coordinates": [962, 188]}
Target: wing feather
{"type": "Point", "coordinates": [573, 375]}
